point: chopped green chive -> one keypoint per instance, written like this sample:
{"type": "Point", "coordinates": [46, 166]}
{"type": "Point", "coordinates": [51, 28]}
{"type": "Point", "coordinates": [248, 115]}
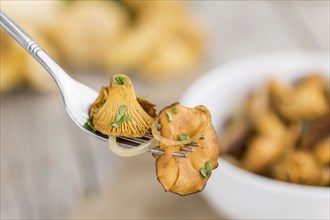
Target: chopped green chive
{"type": "Point", "coordinates": [115, 124]}
{"type": "Point", "coordinates": [169, 117]}
{"type": "Point", "coordinates": [121, 117]}
{"type": "Point", "coordinates": [88, 125]}
{"type": "Point", "coordinates": [183, 137]}
{"type": "Point", "coordinates": [208, 165]}
{"type": "Point", "coordinates": [203, 172]}
{"type": "Point", "coordinates": [122, 110]}
{"type": "Point", "coordinates": [174, 110]}
{"type": "Point", "coordinates": [120, 80]}
{"type": "Point", "coordinates": [207, 170]}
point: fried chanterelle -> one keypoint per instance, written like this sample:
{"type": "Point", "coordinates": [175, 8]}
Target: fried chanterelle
{"type": "Point", "coordinates": [188, 143]}
{"type": "Point", "coordinates": [182, 124]}
{"type": "Point", "coordinates": [283, 131]}
{"type": "Point", "coordinates": [117, 111]}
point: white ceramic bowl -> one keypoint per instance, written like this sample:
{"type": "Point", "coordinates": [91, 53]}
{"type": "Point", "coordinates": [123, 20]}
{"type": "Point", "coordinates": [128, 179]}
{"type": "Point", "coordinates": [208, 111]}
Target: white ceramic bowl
{"type": "Point", "coordinates": [239, 194]}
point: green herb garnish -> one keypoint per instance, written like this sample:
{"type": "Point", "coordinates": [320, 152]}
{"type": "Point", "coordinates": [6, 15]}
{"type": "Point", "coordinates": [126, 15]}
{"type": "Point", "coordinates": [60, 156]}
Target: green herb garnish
{"type": "Point", "coordinates": [207, 170]}
{"type": "Point", "coordinates": [174, 110]}
{"type": "Point", "coordinates": [183, 137]}
{"type": "Point", "coordinates": [120, 80]}
{"type": "Point", "coordinates": [121, 117]}
{"type": "Point", "coordinates": [169, 117]}
{"type": "Point", "coordinates": [88, 125]}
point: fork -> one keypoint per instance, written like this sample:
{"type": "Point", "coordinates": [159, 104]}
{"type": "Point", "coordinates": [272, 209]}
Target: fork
{"type": "Point", "coordinates": [76, 96]}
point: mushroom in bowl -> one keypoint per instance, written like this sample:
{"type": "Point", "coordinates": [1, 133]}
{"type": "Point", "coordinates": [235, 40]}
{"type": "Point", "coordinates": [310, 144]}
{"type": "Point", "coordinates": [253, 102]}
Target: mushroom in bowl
{"type": "Point", "coordinates": [238, 193]}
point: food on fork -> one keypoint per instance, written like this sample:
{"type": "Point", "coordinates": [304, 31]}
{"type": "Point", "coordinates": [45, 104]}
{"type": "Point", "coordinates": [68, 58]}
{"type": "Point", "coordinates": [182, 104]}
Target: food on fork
{"type": "Point", "coordinates": [182, 127]}
{"type": "Point", "coordinates": [185, 136]}
{"type": "Point", "coordinates": [117, 111]}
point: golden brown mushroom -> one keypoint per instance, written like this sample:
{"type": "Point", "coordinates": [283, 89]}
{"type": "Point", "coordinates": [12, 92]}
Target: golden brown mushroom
{"type": "Point", "coordinates": [325, 176]}
{"type": "Point", "coordinates": [186, 175]}
{"type": "Point", "coordinates": [322, 151]}
{"type": "Point", "coordinates": [261, 152]}
{"type": "Point", "coordinates": [305, 101]}
{"type": "Point", "coordinates": [267, 145]}
{"type": "Point", "coordinates": [119, 112]}
{"type": "Point", "coordinates": [299, 167]}
{"type": "Point", "coordinates": [289, 138]}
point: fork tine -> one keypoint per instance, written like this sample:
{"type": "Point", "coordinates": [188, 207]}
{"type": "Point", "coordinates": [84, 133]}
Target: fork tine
{"type": "Point", "coordinates": [194, 144]}
{"type": "Point", "coordinates": [139, 140]}
{"type": "Point", "coordinates": [132, 140]}
{"type": "Point", "coordinates": [160, 152]}
{"type": "Point", "coordinates": [176, 154]}
{"type": "Point", "coordinates": [188, 149]}
{"type": "Point", "coordinates": [157, 151]}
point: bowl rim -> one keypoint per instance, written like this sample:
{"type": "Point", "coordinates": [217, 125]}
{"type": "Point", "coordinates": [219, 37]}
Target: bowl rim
{"type": "Point", "coordinates": [229, 170]}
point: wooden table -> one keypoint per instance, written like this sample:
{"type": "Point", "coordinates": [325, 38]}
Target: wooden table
{"type": "Point", "coordinates": [52, 170]}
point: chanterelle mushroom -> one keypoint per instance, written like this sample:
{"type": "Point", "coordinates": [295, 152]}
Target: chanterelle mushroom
{"type": "Point", "coordinates": [299, 167]}
{"type": "Point", "coordinates": [186, 175]}
{"type": "Point", "coordinates": [117, 111]}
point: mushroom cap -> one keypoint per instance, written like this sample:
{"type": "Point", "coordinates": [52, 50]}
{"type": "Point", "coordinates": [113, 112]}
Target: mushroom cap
{"type": "Point", "coordinates": [304, 101]}
{"type": "Point", "coordinates": [182, 175]}
{"type": "Point", "coordinates": [136, 119]}
{"type": "Point", "coordinates": [299, 167]}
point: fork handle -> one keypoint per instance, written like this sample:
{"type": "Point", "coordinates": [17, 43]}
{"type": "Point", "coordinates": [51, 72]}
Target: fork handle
{"type": "Point", "coordinates": [59, 75]}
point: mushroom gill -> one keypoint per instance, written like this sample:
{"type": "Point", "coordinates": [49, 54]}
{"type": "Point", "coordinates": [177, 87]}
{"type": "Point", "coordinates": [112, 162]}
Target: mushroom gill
{"type": "Point", "coordinates": [117, 111]}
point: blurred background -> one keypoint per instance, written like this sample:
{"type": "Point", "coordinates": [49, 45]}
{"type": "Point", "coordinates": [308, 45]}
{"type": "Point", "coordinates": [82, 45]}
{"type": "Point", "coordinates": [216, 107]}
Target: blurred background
{"type": "Point", "coordinates": [49, 167]}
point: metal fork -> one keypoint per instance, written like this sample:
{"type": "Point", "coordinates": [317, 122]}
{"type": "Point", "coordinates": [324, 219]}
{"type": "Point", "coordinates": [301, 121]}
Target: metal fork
{"type": "Point", "coordinates": [77, 97]}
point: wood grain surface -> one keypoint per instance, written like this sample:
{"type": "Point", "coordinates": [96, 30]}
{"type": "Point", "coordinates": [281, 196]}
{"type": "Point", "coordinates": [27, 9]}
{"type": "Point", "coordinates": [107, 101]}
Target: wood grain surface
{"type": "Point", "coordinates": [52, 170]}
